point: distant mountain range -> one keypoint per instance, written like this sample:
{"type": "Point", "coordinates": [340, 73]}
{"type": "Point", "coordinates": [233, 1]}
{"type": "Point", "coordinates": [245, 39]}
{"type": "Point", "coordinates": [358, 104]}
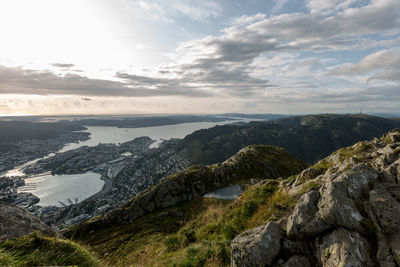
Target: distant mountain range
{"type": "Point", "coordinates": [309, 137]}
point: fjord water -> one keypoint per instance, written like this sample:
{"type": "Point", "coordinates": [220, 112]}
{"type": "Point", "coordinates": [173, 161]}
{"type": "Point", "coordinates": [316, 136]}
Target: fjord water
{"type": "Point", "coordinates": [229, 192]}
{"type": "Point", "coordinates": [53, 188]}
{"type": "Point", "coordinates": [114, 135]}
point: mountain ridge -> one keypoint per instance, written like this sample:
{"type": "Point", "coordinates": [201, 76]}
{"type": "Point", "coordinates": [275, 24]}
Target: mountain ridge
{"type": "Point", "coordinates": [313, 217]}
{"type": "Point", "coordinates": [257, 161]}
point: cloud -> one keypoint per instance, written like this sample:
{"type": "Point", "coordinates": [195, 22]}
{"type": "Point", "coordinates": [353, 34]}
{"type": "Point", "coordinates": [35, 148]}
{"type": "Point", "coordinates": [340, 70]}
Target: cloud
{"type": "Point", "coordinates": [334, 32]}
{"type": "Point", "coordinates": [257, 58]}
{"type": "Point", "coordinates": [224, 65]}
{"type": "Point", "coordinates": [22, 81]}
{"type": "Point", "coordinates": [63, 65]}
{"type": "Point", "coordinates": [388, 75]}
{"type": "Point", "coordinates": [168, 9]}
{"type": "Point", "coordinates": [246, 19]}
{"type": "Point", "coordinates": [372, 62]}
{"type": "Point", "coordinates": [278, 5]}
{"type": "Point", "coordinates": [229, 65]}
{"type": "Point", "coordinates": [252, 36]}
{"type": "Point", "coordinates": [381, 65]}
{"type": "Point", "coordinates": [317, 6]}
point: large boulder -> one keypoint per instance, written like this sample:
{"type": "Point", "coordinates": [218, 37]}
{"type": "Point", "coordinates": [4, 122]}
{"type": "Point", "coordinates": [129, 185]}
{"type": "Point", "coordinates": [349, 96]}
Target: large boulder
{"type": "Point", "coordinates": [257, 247]}
{"type": "Point", "coordinates": [302, 221]}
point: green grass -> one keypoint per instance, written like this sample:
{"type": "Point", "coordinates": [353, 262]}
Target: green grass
{"type": "Point", "coordinates": [356, 153]}
{"type": "Point", "coordinates": [6, 259]}
{"type": "Point", "coordinates": [322, 165]}
{"type": "Point", "coordinates": [307, 187]}
{"type": "Point", "coordinates": [38, 250]}
{"type": "Point", "coordinates": [201, 237]}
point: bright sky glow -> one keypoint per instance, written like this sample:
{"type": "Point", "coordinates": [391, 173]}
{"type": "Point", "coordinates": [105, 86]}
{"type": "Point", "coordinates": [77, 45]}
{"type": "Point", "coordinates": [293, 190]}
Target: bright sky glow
{"type": "Point", "coordinates": [181, 56]}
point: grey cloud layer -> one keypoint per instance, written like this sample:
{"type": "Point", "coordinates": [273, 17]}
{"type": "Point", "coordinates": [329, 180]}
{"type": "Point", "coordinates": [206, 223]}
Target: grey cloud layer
{"type": "Point", "coordinates": [223, 66]}
{"type": "Point", "coordinates": [20, 81]}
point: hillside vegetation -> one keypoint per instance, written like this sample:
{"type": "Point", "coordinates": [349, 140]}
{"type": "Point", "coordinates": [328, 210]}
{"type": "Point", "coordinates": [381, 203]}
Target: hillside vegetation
{"type": "Point", "coordinates": [347, 202]}
{"type": "Point", "coordinates": [212, 232]}
{"type": "Point", "coordinates": [309, 138]}
{"type": "Point", "coordinates": [262, 162]}
{"type": "Point", "coordinates": [38, 250]}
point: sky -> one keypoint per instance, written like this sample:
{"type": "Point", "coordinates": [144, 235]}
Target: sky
{"type": "Point", "coordinates": [199, 56]}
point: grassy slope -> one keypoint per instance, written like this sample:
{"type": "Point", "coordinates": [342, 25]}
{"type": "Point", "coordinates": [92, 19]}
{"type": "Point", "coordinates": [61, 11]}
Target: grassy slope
{"type": "Point", "coordinates": [200, 236]}
{"type": "Point", "coordinates": [37, 250]}
{"type": "Point", "coordinates": [198, 232]}
{"type": "Point", "coordinates": [258, 161]}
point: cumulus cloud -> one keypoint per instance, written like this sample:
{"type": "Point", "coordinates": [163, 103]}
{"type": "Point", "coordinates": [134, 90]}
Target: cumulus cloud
{"type": "Point", "coordinates": [229, 64]}
{"type": "Point", "coordinates": [252, 36]}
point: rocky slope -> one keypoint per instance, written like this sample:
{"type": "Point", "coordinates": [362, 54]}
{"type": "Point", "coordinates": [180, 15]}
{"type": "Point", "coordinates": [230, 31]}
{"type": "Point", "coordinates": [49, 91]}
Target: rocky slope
{"type": "Point", "coordinates": [351, 218]}
{"type": "Point", "coordinates": [15, 222]}
{"type": "Point", "coordinates": [250, 162]}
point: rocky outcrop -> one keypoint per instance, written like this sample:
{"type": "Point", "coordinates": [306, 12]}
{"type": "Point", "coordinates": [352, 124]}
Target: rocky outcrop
{"type": "Point", "coordinates": [15, 222]}
{"type": "Point", "coordinates": [251, 162]}
{"type": "Point", "coordinates": [258, 246]}
{"type": "Point", "coordinates": [351, 219]}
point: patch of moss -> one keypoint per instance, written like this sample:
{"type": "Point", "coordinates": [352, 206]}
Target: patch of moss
{"type": "Point", "coordinates": [322, 165]}
{"type": "Point", "coordinates": [355, 152]}
{"type": "Point", "coordinates": [307, 187]}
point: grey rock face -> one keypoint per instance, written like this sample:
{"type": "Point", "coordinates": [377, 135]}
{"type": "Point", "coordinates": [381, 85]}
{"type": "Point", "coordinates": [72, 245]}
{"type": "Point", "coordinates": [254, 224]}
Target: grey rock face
{"type": "Point", "coordinates": [15, 222]}
{"type": "Point", "coordinates": [302, 220]}
{"type": "Point", "coordinates": [257, 247]}
{"type": "Point", "coordinates": [386, 209]}
{"type": "Point", "coordinates": [353, 219]}
{"type": "Point", "coordinates": [337, 205]}
{"type": "Point", "coordinates": [344, 248]}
